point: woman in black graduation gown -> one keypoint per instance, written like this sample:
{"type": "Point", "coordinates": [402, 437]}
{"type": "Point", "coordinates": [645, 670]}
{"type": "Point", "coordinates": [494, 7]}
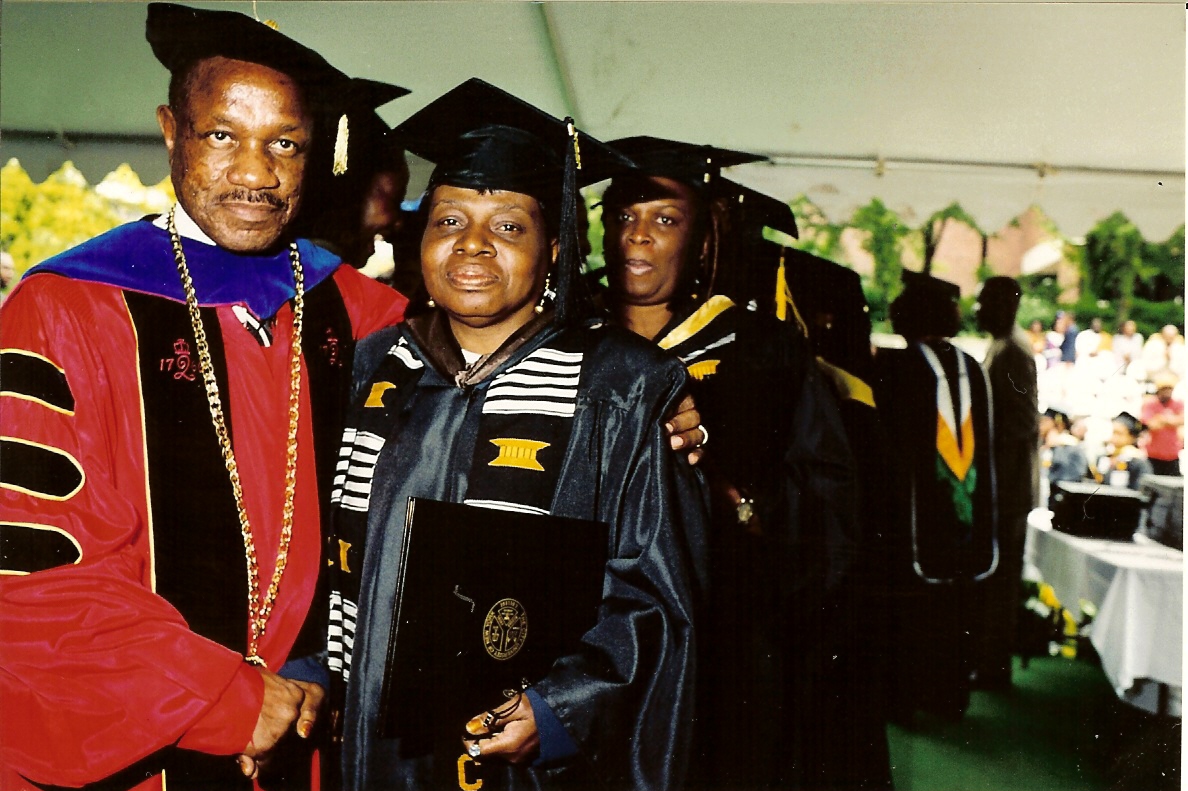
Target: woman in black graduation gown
{"type": "Point", "coordinates": [497, 356]}
{"type": "Point", "coordinates": [779, 466]}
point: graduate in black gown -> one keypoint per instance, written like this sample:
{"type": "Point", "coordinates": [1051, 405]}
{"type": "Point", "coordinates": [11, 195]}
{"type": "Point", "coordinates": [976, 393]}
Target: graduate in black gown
{"type": "Point", "coordinates": [778, 464]}
{"type": "Point", "coordinates": [844, 678]}
{"type": "Point", "coordinates": [934, 401]}
{"type": "Point", "coordinates": [508, 350]}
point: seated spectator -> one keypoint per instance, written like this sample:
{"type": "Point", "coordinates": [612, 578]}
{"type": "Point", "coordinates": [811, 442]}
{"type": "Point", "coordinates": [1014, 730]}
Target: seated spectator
{"type": "Point", "coordinates": [1088, 342]}
{"type": "Point", "coordinates": [1164, 417]}
{"type": "Point", "coordinates": [1128, 345]}
{"type": "Point", "coordinates": [1067, 330]}
{"type": "Point", "coordinates": [1125, 463]}
{"type": "Point", "coordinates": [1035, 334]}
{"type": "Point", "coordinates": [1164, 352]}
{"type": "Point", "coordinates": [1061, 454]}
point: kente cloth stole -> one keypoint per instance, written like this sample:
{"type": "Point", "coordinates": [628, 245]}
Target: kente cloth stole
{"type": "Point", "coordinates": [523, 433]}
{"type": "Point", "coordinates": [955, 458]}
{"type": "Point", "coordinates": [527, 419]}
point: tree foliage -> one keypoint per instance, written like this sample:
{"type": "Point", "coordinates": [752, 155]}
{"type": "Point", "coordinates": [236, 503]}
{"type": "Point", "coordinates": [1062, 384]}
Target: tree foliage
{"type": "Point", "coordinates": [887, 238]}
{"type": "Point", "coordinates": [38, 221]}
{"type": "Point", "coordinates": [1123, 276]}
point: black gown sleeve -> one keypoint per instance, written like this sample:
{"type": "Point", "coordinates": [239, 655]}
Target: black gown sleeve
{"type": "Point", "coordinates": [626, 698]}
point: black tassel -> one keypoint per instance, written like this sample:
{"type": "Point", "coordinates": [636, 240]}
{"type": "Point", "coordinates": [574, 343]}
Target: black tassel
{"type": "Point", "coordinates": [572, 290]}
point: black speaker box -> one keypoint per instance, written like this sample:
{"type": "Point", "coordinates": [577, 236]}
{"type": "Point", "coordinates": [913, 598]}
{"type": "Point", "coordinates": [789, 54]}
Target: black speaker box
{"type": "Point", "coordinates": [1094, 510]}
{"type": "Point", "coordinates": [1164, 520]}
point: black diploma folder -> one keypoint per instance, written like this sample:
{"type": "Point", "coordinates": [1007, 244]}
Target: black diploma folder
{"type": "Point", "coordinates": [486, 600]}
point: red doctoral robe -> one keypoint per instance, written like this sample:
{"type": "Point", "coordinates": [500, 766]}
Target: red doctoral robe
{"type": "Point", "coordinates": [123, 604]}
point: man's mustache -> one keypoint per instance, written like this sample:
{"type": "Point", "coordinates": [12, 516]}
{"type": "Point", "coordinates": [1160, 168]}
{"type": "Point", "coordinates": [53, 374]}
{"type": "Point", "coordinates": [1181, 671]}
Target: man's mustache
{"type": "Point", "coordinates": [250, 196]}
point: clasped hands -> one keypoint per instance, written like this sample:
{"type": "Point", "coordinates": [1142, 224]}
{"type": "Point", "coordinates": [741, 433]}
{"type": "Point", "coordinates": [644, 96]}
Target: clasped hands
{"type": "Point", "coordinates": [507, 733]}
{"type": "Point", "coordinates": [288, 706]}
{"type": "Point", "coordinates": [293, 705]}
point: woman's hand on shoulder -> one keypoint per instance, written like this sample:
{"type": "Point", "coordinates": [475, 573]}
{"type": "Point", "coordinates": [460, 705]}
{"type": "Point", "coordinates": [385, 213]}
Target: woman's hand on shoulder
{"type": "Point", "coordinates": [685, 431]}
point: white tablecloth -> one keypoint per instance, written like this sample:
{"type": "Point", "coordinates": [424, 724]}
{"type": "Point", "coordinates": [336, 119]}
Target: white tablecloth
{"type": "Point", "coordinates": [1138, 589]}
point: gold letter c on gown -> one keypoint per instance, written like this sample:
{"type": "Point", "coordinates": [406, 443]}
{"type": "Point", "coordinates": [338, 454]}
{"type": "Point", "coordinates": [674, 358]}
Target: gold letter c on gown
{"type": "Point", "coordinates": [463, 783]}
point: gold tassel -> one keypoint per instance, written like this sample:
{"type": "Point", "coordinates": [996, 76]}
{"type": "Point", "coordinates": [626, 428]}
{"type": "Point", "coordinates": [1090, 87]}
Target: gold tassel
{"type": "Point", "coordinates": [577, 149]}
{"type": "Point", "coordinates": [341, 140]}
{"type": "Point", "coordinates": [781, 290]}
{"type": "Point", "coordinates": [784, 299]}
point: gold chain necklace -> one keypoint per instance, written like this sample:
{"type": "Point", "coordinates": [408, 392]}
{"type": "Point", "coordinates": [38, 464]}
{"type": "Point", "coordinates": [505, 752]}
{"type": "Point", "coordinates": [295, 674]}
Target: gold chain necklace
{"type": "Point", "coordinates": [258, 610]}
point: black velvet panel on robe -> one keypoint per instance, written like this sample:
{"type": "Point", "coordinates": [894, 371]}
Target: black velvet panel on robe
{"type": "Point", "coordinates": [197, 526]}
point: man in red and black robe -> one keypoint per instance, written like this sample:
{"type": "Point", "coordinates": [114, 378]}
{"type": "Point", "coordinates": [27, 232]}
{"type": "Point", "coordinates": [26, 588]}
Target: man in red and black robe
{"type": "Point", "coordinates": [123, 579]}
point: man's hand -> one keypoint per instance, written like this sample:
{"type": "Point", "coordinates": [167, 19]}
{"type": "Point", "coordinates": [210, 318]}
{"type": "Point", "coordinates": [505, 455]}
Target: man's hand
{"type": "Point", "coordinates": [514, 738]}
{"type": "Point", "coordinates": [685, 431]}
{"type": "Point", "coordinates": [287, 704]}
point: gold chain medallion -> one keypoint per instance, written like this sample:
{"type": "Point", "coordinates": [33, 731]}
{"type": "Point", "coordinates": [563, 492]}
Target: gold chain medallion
{"type": "Point", "coordinates": [258, 609]}
{"type": "Point", "coordinates": [505, 629]}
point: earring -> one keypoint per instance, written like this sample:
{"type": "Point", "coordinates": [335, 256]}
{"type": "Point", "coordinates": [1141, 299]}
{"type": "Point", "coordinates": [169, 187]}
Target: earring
{"type": "Point", "coordinates": [431, 303]}
{"type": "Point", "coordinates": [547, 296]}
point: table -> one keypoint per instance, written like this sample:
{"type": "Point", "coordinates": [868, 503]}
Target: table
{"type": "Point", "coordinates": [1138, 589]}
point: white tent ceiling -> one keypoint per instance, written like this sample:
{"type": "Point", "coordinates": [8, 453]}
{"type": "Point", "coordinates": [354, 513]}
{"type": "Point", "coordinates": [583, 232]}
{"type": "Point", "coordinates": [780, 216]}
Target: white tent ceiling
{"type": "Point", "coordinates": [948, 102]}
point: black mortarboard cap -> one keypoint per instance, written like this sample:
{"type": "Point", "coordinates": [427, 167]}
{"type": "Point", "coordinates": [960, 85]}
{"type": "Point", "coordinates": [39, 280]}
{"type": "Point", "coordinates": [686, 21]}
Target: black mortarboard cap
{"type": "Point", "coordinates": [1132, 423]}
{"type": "Point", "coordinates": [180, 36]}
{"type": "Point", "coordinates": [929, 289]}
{"type": "Point", "coordinates": [696, 165]}
{"type": "Point", "coordinates": [481, 137]}
{"type": "Point", "coordinates": [829, 298]}
{"type": "Point", "coordinates": [927, 306]}
{"type": "Point", "coordinates": [755, 210]}
{"type": "Point", "coordinates": [818, 283]}
{"type": "Point", "coordinates": [1059, 415]}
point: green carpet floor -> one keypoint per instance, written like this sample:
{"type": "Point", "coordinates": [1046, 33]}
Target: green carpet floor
{"type": "Point", "coordinates": [1060, 729]}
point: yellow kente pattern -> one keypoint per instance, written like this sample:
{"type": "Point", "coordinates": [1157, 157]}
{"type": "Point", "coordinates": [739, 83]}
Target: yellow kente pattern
{"type": "Point", "coordinates": [704, 368]}
{"type": "Point", "coordinates": [375, 399]}
{"type": "Point", "coordinates": [519, 453]}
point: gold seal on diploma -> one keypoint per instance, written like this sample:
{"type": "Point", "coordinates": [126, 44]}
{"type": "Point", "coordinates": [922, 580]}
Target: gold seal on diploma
{"type": "Point", "coordinates": [505, 629]}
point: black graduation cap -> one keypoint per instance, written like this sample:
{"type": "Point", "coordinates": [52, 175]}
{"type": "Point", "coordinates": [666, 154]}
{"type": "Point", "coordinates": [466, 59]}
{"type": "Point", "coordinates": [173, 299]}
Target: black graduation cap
{"type": "Point", "coordinates": [820, 285]}
{"type": "Point", "coordinates": [830, 299]}
{"type": "Point", "coordinates": [929, 289]}
{"type": "Point", "coordinates": [755, 210]}
{"type": "Point", "coordinates": [1132, 423]}
{"type": "Point", "coordinates": [927, 306]}
{"type": "Point", "coordinates": [1058, 415]}
{"type": "Point", "coordinates": [696, 165]}
{"type": "Point", "coordinates": [481, 137]}
{"type": "Point", "coordinates": [180, 36]}
{"type": "Point", "coordinates": [746, 260]}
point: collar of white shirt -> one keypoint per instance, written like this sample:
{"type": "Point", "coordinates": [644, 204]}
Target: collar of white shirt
{"type": "Point", "coordinates": [186, 227]}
